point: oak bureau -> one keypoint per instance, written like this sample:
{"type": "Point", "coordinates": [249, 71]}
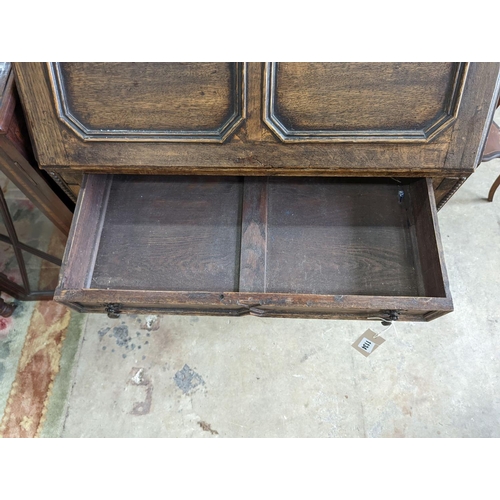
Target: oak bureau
{"type": "Point", "coordinates": [271, 189]}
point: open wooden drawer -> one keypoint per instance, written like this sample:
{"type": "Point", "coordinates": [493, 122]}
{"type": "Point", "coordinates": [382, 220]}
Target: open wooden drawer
{"type": "Point", "coordinates": [269, 246]}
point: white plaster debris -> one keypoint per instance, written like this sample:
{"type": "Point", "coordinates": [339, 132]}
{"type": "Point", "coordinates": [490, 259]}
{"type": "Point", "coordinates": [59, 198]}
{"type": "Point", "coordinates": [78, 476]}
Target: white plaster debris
{"type": "Point", "coordinates": [138, 378]}
{"type": "Point", "coordinates": [150, 320]}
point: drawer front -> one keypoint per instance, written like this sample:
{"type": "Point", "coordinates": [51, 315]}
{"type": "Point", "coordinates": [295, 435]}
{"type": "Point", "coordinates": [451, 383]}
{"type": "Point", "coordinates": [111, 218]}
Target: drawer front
{"type": "Point", "coordinates": [312, 247]}
{"type": "Point", "coordinates": [324, 119]}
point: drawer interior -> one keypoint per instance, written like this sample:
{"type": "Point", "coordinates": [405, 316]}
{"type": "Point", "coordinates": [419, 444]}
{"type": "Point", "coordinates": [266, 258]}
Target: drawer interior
{"type": "Point", "coordinates": [348, 237]}
{"type": "Point", "coordinates": [262, 235]}
{"type": "Point", "coordinates": [166, 233]}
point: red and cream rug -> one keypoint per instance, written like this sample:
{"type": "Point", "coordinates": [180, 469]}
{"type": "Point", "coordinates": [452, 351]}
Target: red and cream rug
{"type": "Point", "coordinates": [38, 366]}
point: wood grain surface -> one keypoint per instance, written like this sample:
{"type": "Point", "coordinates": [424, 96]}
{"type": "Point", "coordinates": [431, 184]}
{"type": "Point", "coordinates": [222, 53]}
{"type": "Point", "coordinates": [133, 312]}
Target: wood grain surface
{"type": "Point", "coordinates": [253, 148]}
{"type": "Point", "coordinates": [17, 161]}
{"type": "Point", "coordinates": [339, 237]}
{"type": "Point", "coordinates": [261, 246]}
{"type": "Point", "coordinates": [170, 233]}
{"type": "Point", "coordinates": [362, 101]}
{"type": "Point", "coordinates": [160, 101]}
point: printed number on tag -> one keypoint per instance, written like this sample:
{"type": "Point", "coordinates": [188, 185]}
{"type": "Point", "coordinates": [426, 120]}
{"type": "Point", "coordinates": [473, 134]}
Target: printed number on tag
{"type": "Point", "coordinates": [368, 342]}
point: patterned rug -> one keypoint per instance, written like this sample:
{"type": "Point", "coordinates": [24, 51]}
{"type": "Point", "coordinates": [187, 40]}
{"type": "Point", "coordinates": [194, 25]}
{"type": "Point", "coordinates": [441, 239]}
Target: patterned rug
{"type": "Point", "coordinates": [39, 362]}
{"type": "Point", "coordinates": [32, 339]}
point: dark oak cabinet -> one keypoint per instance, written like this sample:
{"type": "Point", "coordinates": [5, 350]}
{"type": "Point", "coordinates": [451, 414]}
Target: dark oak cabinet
{"type": "Point", "coordinates": [271, 189]}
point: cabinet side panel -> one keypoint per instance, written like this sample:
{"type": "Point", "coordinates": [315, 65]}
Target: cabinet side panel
{"type": "Point", "coordinates": [469, 134]}
{"type": "Point", "coordinates": [38, 102]}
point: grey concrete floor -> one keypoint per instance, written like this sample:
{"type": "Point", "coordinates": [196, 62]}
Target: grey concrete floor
{"type": "Point", "coordinates": [186, 376]}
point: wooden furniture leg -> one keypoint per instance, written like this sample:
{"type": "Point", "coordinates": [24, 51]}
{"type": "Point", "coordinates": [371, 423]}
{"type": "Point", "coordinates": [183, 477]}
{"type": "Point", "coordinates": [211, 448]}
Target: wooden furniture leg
{"type": "Point", "coordinates": [494, 187]}
{"type": "Point", "coordinates": [491, 151]}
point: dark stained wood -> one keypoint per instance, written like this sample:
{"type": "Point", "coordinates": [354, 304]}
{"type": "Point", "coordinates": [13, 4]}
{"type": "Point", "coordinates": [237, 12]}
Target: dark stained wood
{"type": "Point", "coordinates": [331, 236]}
{"type": "Point", "coordinates": [424, 215]}
{"type": "Point", "coordinates": [171, 233]}
{"type": "Point", "coordinates": [247, 152]}
{"type": "Point", "coordinates": [261, 159]}
{"type": "Point", "coordinates": [83, 240]}
{"type": "Point", "coordinates": [174, 245]}
{"type": "Point", "coordinates": [17, 133]}
{"type": "Point", "coordinates": [442, 197]}
{"type": "Point", "coordinates": [68, 180]}
{"type": "Point", "coordinates": [443, 188]}
{"type": "Point", "coordinates": [474, 129]}
{"type": "Point", "coordinates": [161, 299]}
{"type": "Point", "coordinates": [319, 230]}
{"type": "Point", "coordinates": [254, 235]}
{"type": "Point", "coordinates": [326, 102]}
{"type": "Point", "coordinates": [493, 189]}
{"type": "Point", "coordinates": [199, 310]}
{"type": "Point", "coordinates": [150, 101]}
{"type": "Point", "coordinates": [75, 189]}
{"type": "Point", "coordinates": [72, 177]}
{"type": "Point", "coordinates": [274, 305]}
{"type": "Point", "coordinates": [254, 127]}
{"type": "Point", "coordinates": [17, 161]}
{"type": "Point", "coordinates": [48, 141]}
{"type": "Point", "coordinates": [436, 181]}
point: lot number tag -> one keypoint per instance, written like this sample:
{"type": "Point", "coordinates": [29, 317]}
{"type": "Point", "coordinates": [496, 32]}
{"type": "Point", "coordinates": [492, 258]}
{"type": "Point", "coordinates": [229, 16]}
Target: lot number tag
{"type": "Point", "coordinates": [368, 342]}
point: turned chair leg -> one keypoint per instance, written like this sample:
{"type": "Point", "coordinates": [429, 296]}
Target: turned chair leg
{"type": "Point", "coordinates": [6, 310]}
{"type": "Point", "coordinates": [494, 187]}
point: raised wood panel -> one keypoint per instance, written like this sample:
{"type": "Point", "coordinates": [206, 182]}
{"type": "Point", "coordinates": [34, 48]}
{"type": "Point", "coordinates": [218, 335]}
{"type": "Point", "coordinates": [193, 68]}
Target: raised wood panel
{"type": "Point", "coordinates": [324, 102]}
{"type": "Point", "coordinates": [150, 101]}
{"type": "Point", "coordinates": [253, 149]}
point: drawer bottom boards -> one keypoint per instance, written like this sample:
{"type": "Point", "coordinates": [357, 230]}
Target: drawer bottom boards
{"type": "Point", "coordinates": [266, 246]}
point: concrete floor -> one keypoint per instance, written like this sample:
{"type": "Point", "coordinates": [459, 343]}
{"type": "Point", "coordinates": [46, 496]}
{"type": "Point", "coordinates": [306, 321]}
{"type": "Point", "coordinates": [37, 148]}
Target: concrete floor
{"type": "Point", "coordinates": [189, 376]}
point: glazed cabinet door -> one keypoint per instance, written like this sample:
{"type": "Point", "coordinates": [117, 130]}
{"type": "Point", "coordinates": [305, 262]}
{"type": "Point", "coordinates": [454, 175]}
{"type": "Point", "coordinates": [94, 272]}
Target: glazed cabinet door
{"type": "Point", "coordinates": [323, 119]}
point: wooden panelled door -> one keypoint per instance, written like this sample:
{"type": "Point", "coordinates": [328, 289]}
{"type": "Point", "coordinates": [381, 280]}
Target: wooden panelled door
{"type": "Point", "coordinates": [341, 119]}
